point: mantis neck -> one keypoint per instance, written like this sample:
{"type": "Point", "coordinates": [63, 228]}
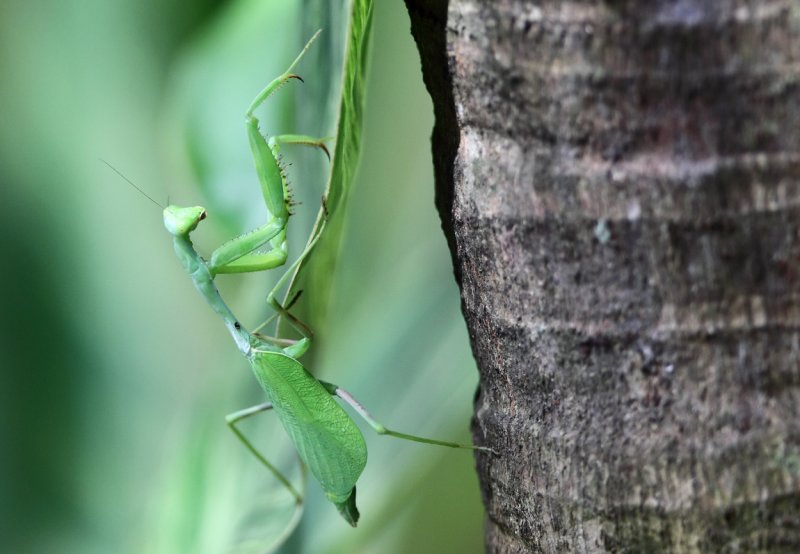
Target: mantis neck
{"type": "Point", "coordinates": [197, 269]}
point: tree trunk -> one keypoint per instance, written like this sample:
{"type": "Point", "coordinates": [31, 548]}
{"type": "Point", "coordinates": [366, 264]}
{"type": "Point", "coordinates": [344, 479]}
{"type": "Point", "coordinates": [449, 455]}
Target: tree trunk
{"type": "Point", "coordinates": [619, 183]}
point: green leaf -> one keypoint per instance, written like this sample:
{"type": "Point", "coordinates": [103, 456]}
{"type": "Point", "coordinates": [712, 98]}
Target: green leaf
{"type": "Point", "coordinates": [321, 264]}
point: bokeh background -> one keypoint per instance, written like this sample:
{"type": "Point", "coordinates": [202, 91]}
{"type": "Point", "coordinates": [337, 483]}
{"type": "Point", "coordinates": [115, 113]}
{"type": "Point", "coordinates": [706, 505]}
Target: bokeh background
{"type": "Point", "coordinates": [116, 376]}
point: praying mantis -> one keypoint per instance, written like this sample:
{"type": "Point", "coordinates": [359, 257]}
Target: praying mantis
{"type": "Point", "coordinates": [327, 440]}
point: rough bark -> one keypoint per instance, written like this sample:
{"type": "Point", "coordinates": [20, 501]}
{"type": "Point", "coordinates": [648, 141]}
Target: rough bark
{"type": "Point", "coordinates": [619, 182]}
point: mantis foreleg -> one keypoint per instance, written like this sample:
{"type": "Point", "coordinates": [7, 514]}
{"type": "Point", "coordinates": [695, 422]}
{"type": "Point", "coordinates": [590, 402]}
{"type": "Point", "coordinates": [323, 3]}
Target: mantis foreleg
{"type": "Point", "coordinates": [240, 255]}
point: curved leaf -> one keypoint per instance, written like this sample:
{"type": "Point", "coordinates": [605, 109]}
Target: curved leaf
{"type": "Point", "coordinates": [345, 161]}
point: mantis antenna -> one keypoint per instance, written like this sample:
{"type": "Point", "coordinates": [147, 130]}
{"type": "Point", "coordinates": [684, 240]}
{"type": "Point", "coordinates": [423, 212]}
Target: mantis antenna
{"type": "Point", "coordinates": [131, 183]}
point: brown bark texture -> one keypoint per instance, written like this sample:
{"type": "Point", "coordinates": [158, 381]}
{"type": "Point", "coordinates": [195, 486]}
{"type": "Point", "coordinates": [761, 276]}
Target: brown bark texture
{"type": "Point", "coordinates": [619, 182]}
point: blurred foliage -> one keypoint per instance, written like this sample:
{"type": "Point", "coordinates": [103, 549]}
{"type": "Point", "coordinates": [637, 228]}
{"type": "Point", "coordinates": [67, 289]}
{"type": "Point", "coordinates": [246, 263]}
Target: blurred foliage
{"type": "Point", "coordinates": [116, 376]}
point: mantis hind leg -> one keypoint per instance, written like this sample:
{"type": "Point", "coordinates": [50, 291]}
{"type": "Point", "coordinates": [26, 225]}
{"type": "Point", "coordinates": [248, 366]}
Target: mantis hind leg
{"type": "Point", "coordinates": [383, 430]}
{"type": "Point", "coordinates": [236, 417]}
{"type": "Point", "coordinates": [232, 420]}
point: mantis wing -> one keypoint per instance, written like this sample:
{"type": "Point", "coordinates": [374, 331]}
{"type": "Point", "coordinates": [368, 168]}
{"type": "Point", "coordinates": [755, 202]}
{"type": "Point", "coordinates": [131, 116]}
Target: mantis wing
{"type": "Point", "coordinates": [326, 438]}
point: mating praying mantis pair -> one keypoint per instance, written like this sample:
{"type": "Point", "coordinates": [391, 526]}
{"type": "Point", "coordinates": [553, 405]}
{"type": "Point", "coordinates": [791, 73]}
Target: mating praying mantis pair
{"type": "Point", "coordinates": [326, 439]}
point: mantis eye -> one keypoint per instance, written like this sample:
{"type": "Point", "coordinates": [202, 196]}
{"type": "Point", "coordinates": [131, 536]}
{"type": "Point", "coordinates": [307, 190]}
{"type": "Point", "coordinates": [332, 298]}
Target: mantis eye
{"type": "Point", "coordinates": [203, 215]}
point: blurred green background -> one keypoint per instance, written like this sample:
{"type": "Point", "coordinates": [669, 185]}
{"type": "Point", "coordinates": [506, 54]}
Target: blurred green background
{"type": "Point", "coordinates": [115, 374]}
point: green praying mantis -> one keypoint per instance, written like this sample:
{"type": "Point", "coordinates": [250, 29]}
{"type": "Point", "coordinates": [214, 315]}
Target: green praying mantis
{"type": "Point", "coordinates": [326, 439]}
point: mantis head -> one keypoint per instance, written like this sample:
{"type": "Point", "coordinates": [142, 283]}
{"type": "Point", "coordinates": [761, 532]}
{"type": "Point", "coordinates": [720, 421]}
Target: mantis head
{"type": "Point", "coordinates": [182, 221]}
